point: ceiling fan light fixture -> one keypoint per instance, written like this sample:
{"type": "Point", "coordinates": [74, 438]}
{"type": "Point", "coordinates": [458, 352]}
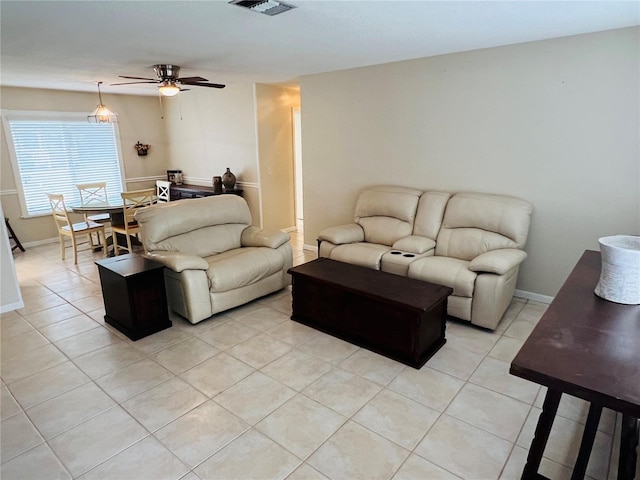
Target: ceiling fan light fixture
{"type": "Point", "coordinates": [169, 89]}
{"type": "Point", "coordinates": [102, 114]}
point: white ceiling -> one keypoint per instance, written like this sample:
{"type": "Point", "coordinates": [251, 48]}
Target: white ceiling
{"type": "Point", "coordinates": [70, 45]}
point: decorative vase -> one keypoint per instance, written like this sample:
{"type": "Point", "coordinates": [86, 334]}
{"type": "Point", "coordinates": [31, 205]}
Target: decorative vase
{"type": "Point", "coordinates": [620, 274]}
{"type": "Point", "coordinates": [217, 184]}
{"type": "Point", "coordinates": [228, 180]}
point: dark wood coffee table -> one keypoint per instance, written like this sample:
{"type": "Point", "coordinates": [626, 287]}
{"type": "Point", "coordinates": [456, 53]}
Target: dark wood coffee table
{"type": "Point", "coordinates": [399, 317]}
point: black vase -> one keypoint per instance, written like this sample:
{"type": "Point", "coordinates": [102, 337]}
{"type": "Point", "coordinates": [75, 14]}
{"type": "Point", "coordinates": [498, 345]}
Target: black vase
{"type": "Point", "coordinates": [229, 180]}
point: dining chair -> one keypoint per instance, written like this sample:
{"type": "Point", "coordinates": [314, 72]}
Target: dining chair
{"type": "Point", "coordinates": [131, 201]}
{"type": "Point", "coordinates": [94, 193]}
{"type": "Point", "coordinates": [163, 188]}
{"type": "Point", "coordinates": [73, 230]}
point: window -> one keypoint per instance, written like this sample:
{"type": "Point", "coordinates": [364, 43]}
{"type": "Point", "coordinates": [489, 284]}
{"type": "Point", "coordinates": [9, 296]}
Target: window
{"type": "Point", "coordinates": [52, 152]}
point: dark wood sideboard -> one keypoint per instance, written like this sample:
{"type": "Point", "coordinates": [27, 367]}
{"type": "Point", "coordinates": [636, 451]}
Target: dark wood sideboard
{"type": "Point", "coordinates": [178, 192]}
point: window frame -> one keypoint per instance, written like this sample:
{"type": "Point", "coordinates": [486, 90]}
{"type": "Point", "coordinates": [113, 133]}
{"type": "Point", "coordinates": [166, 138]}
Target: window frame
{"type": "Point", "coordinates": [36, 115]}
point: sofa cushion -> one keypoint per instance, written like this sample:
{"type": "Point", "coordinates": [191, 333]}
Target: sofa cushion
{"type": "Point", "coordinates": [475, 223]}
{"type": "Point", "coordinates": [450, 272]}
{"type": "Point", "coordinates": [386, 214]}
{"type": "Point", "coordinates": [242, 266]}
{"type": "Point", "coordinates": [205, 241]}
{"type": "Point", "coordinates": [414, 244]}
{"type": "Point", "coordinates": [468, 243]}
{"type": "Point", "coordinates": [384, 230]}
{"type": "Point", "coordinates": [202, 226]}
{"type": "Point", "coordinates": [363, 254]}
{"type": "Point", "coordinates": [430, 213]}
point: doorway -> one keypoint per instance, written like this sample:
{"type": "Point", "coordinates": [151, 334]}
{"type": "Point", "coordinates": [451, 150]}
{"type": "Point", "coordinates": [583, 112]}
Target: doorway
{"type": "Point", "coordinates": [297, 169]}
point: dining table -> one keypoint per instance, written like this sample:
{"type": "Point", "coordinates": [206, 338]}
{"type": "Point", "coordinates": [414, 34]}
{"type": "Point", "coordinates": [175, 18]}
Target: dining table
{"type": "Point", "coordinates": [115, 210]}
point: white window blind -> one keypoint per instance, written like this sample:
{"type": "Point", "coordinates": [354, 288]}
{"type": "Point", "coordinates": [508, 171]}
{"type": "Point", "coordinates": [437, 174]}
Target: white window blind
{"type": "Point", "coordinates": [52, 156]}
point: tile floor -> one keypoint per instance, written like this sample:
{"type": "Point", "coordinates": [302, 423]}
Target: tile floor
{"type": "Point", "coordinates": [251, 394]}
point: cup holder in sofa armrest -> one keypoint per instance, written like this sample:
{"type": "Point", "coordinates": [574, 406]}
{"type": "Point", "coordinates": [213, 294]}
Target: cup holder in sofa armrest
{"type": "Point", "coordinates": [408, 255]}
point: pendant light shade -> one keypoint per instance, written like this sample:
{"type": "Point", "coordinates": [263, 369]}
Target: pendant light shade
{"type": "Point", "coordinates": [102, 114]}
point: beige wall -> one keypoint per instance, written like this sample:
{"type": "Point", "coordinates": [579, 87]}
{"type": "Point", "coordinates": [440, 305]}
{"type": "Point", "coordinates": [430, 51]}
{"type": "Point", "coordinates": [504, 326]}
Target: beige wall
{"type": "Point", "coordinates": [138, 120]}
{"type": "Point", "coordinates": [243, 127]}
{"type": "Point", "coordinates": [209, 130]}
{"type": "Point", "coordinates": [554, 122]}
{"type": "Point", "coordinates": [274, 112]}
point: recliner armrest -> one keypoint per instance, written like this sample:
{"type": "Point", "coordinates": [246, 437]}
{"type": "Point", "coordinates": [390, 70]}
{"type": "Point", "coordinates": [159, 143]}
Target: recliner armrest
{"type": "Point", "coordinates": [498, 261]}
{"type": "Point", "coordinates": [256, 237]}
{"type": "Point", "coordinates": [178, 261]}
{"type": "Point", "coordinates": [414, 244]}
{"type": "Point", "coordinates": [341, 234]}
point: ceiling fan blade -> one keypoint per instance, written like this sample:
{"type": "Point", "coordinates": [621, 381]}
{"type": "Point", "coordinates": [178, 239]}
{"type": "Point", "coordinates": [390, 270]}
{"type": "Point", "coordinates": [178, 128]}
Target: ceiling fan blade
{"type": "Point", "coordinates": [204, 84]}
{"type": "Point", "coordinates": [132, 83]}
{"type": "Point", "coordinates": [139, 78]}
{"type": "Point", "coordinates": [191, 79]}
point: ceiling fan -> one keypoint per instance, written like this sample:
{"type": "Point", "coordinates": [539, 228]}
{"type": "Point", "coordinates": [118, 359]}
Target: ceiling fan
{"type": "Point", "coordinates": [170, 83]}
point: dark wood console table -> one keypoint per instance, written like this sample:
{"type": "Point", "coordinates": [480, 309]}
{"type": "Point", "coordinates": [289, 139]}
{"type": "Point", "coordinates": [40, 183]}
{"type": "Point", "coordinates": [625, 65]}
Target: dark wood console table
{"type": "Point", "coordinates": [587, 347]}
{"type": "Point", "coordinates": [178, 192]}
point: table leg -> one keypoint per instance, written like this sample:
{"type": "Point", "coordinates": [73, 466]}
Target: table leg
{"type": "Point", "coordinates": [539, 442]}
{"type": "Point", "coordinates": [628, 444]}
{"type": "Point", "coordinates": [589, 435]}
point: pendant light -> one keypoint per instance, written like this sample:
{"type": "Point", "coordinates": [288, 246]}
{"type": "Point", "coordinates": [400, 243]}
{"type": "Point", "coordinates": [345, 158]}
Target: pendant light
{"type": "Point", "coordinates": [102, 114]}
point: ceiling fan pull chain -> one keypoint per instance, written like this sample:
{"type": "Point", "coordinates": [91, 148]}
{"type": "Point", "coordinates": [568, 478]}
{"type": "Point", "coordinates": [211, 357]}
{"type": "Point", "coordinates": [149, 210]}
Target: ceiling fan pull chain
{"type": "Point", "coordinates": [161, 106]}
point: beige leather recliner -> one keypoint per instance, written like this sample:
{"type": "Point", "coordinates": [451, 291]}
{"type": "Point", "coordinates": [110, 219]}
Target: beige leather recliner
{"type": "Point", "coordinates": [471, 242]}
{"type": "Point", "coordinates": [215, 258]}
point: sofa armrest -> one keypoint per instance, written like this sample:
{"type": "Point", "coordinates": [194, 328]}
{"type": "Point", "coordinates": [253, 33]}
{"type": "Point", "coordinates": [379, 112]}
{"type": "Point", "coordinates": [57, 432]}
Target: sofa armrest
{"type": "Point", "coordinates": [178, 261]}
{"type": "Point", "coordinates": [497, 261]}
{"type": "Point", "coordinates": [350, 233]}
{"type": "Point", "coordinates": [414, 244]}
{"type": "Point", "coordinates": [256, 237]}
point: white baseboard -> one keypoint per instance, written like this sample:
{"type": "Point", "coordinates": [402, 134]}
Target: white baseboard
{"type": "Point", "coordinates": [536, 297]}
{"type": "Point", "coordinates": [41, 242]}
{"type": "Point", "coordinates": [309, 247]}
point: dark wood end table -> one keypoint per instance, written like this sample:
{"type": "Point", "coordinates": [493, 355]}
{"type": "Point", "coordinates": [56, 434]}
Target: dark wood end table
{"type": "Point", "coordinates": [134, 295]}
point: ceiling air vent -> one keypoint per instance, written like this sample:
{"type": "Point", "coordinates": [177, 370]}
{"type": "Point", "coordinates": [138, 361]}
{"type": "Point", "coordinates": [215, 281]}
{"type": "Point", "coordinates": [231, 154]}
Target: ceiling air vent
{"type": "Point", "coordinates": [268, 7]}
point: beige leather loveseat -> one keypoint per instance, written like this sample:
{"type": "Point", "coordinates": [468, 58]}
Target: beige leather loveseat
{"type": "Point", "coordinates": [216, 259]}
{"type": "Point", "coordinates": [471, 242]}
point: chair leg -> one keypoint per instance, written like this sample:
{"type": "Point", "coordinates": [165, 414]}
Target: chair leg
{"type": "Point", "coordinates": [129, 244]}
{"type": "Point", "coordinates": [86, 220]}
{"type": "Point", "coordinates": [105, 252]}
{"type": "Point", "coordinates": [75, 249]}
{"type": "Point", "coordinates": [12, 236]}
{"type": "Point", "coordinates": [62, 247]}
